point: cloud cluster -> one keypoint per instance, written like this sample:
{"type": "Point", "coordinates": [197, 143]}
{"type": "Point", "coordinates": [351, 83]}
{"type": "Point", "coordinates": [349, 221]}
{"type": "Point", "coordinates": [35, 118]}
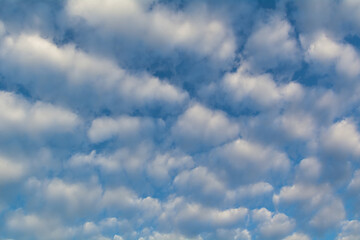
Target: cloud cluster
{"type": "Point", "coordinates": [179, 120]}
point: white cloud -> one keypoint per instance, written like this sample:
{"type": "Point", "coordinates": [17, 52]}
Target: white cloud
{"type": "Point", "coordinates": [318, 202]}
{"type": "Point", "coordinates": [201, 127]}
{"type": "Point", "coordinates": [17, 114]}
{"type": "Point", "coordinates": [126, 201]}
{"type": "Point", "coordinates": [309, 169]}
{"type": "Point", "coordinates": [297, 124]}
{"type": "Point", "coordinates": [169, 236]}
{"type": "Point", "coordinates": [10, 170]}
{"type": "Point", "coordinates": [247, 161]}
{"type": "Point", "coordinates": [193, 218]}
{"type": "Point", "coordinates": [158, 26]}
{"type": "Point", "coordinates": [311, 195]}
{"type": "Point", "coordinates": [117, 237]}
{"type": "Point", "coordinates": [200, 183]}
{"type": "Point", "coordinates": [69, 199]}
{"type": "Point", "coordinates": [2, 29]}
{"type": "Point", "coordinates": [252, 190]}
{"type": "Point", "coordinates": [127, 159]}
{"type": "Point", "coordinates": [260, 88]}
{"type": "Point", "coordinates": [37, 227]}
{"type": "Point", "coordinates": [350, 230]}
{"type": "Point", "coordinates": [297, 236]}
{"type": "Point", "coordinates": [272, 225]}
{"type": "Point", "coordinates": [76, 73]}
{"type": "Point", "coordinates": [272, 45]}
{"type": "Point", "coordinates": [124, 127]}
{"type": "Point", "coordinates": [354, 185]}
{"type": "Point", "coordinates": [329, 215]}
{"type": "Point", "coordinates": [342, 139]}
{"type": "Point", "coordinates": [328, 52]}
{"type": "Point", "coordinates": [235, 234]}
{"type": "Point", "coordinates": [165, 166]}
{"type": "Point", "coordinates": [205, 186]}
{"type": "Point", "coordinates": [350, 10]}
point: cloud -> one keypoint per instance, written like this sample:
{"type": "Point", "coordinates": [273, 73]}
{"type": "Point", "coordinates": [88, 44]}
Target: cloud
{"type": "Point", "coordinates": [157, 119]}
{"type": "Point", "coordinates": [272, 44]}
{"type": "Point", "coordinates": [312, 195]}
{"type": "Point", "coordinates": [78, 74]}
{"type": "Point", "coordinates": [355, 181]}
{"type": "Point", "coordinates": [297, 236]}
{"type": "Point", "coordinates": [297, 124]}
{"type": "Point", "coordinates": [350, 230]}
{"type": "Point", "coordinates": [158, 26]}
{"type": "Point", "coordinates": [20, 115]}
{"type": "Point", "coordinates": [247, 161]}
{"type": "Point", "coordinates": [309, 169]}
{"type": "Point", "coordinates": [201, 184]}
{"type": "Point", "coordinates": [260, 89]}
{"type": "Point", "coordinates": [328, 52]}
{"type": "Point", "coordinates": [129, 204]}
{"type": "Point", "coordinates": [169, 236]}
{"type": "Point", "coordinates": [204, 186]}
{"type": "Point", "coordinates": [192, 218]}
{"type": "Point", "coordinates": [165, 166]}
{"type": "Point", "coordinates": [236, 234]}
{"type": "Point", "coordinates": [10, 170]}
{"type": "Point", "coordinates": [123, 127]}
{"type": "Point", "coordinates": [329, 216]}
{"type": "Point", "coordinates": [272, 226]}
{"type": "Point", "coordinates": [199, 127]}
{"type": "Point", "coordinates": [131, 160]}
{"type": "Point", "coordinates": [322, 208]}
{"type": "Point", "coordinates": [71, 199]}
{"type": "Point", "coordinates": [34, 226]}
{"type": "Point", "coordinates": [342, 139]}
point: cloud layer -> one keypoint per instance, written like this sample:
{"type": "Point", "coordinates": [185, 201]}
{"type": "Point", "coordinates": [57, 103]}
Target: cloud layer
{"type": "Point", "coordinates": [179, 120]}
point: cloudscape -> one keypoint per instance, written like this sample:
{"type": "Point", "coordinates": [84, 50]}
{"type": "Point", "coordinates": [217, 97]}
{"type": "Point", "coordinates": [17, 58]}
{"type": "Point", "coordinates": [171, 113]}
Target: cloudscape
{"type": "Point", "coordinates": [180, 120]}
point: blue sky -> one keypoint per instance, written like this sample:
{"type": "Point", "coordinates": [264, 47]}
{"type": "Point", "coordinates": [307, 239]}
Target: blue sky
{"type": "Point", "coordinates": [179, 120]}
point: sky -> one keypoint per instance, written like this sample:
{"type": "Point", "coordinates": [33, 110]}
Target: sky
{"type": "Point", "coordinates": [179, 120]}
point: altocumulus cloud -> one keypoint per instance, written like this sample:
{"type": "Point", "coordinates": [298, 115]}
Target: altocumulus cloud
{"type": "Point", "coordinates": [179, 120]}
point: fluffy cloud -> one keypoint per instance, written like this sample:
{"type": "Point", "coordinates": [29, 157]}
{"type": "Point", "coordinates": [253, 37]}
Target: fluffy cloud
{"type": "Point", "coordinates": [297, 236]}
{"type": "Point", "coordinates": [329, 215]}
{"type": "Point", "coordinates": [127, 159]}
{"type": "Point", "coordinates": [272, 226]}
{"type": "Point", "coordinates": [77, 74]}
{"type": "Point", "coordinates": [10, 170]}
{"type": "Point", "coordinates": [165, 166]}
{"type": "Point", "coordinates": [246, 161]}
{"type": "Point", "coordinates": [157, 119]}
{"type": "Point", "coordinates": [158, 26]}
{"type": "Point", "coordinates": [202, 185]}
{"type": "Point", "coordinates": [236, 234]}
{"type": "Point", "coordinates": [200, 127]}
{"type": "Point", "coordinates": [350, 230]}
{"type": "Point", "coordinates": [18, 114]}
{"type": "Point", "coordinates": [309, 169]}
{"type": "Point", "coordinates": [124, 127]}
{"type": "Point", "coordinates": [272, 44]}
{"type": "Point", "coordinates": [168, 236]}
{"type": "Point", "coordinates": [74, 199]}
{"type": "Point", "coordinates": [192, 218]}
{"type": "Point", "coordinates": [259, 88]}
{"type": "Point", "coordinates": [342, 139]}
{"type": "Point", "coordinates": [33, 226]}
{"type": "Point", "coordinates": [328, 52]}
{"type": "Point", "coordinates": [323, 209]}
{"type": "Point", "coordinates": [354, 185]}
{"type": "Point", "coordinates": [127, 202]}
